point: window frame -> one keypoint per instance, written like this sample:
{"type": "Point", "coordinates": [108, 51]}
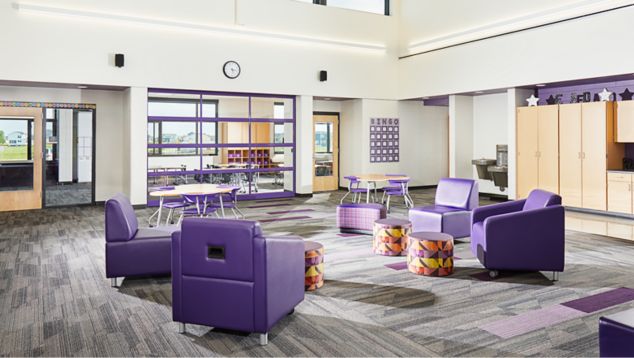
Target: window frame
{"type": "Point", "coordinates": [158, 152]}
{"type": "Point", "coordinates": [386, 7]}
{"type": "Point", "coordinates": [29, 139]}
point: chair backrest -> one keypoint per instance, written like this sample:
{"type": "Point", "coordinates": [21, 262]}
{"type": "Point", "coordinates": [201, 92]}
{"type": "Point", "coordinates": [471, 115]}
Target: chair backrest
{"type": "Point", "coordinates": [397, 182]}
{"type": "Point", "coordinates": [121, 221]}
{"type": "Point", "coordinates": [220, 249]}
{"type": "Point", "coordinates": [538, 199]}
{"type": "Point", "coordinates": [457, 193]}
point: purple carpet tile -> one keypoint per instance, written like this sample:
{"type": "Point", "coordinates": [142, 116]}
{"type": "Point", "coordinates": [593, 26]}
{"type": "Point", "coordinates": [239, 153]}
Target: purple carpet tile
{"type": "Point", "coordinates": [602, 300]}
{"type": "Point", "coordinates": [285, 219]}
{"type": "Point", "coordinates": [267, 206]}
{"type": "Point", "coordinates": [531, 321]}
{"type": "Point", "coordinates": [289, 211]}
{"type": "Point", "coordinates": [398, 266]}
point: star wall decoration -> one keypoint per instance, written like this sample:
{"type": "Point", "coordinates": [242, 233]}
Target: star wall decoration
{"type": "Point", "coordinates": [532, 101]}
{"type": "Point", "coordinates": [605, 95]}
{"type": "Point", "coordinates": [551, 100]}
{"type": "Point", "coordinates": [626, 95]}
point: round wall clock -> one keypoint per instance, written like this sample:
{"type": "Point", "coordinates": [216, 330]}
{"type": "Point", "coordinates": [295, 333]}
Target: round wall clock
{"type": "Point", "coordinates": [231, 69]}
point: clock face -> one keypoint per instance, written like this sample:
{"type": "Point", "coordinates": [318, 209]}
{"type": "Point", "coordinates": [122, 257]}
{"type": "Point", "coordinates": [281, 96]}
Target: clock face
{"type": "Point", "coordinates": [231, 69]}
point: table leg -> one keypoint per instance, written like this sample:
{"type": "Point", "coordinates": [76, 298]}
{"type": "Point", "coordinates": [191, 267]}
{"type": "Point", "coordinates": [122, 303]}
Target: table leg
{"type": "Point", "coordinates": [375, 194]}
{"type": "Point", "coordinates": [367, 196]}
{"type": "Point", "coordinates": [222, 206]}
{"type": "Point", "coordinates": [158, 216]}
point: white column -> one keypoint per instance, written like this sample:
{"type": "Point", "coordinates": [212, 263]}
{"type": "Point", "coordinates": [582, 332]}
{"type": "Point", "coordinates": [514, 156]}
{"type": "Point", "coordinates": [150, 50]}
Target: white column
{"type": "Point", "coordinates": [460, 136]}
{"type": "Point", "coordinates": [135, 144]}
{"type": "Point", "coordinates": [304, 145]}
{"type": "Point", "coordinates": [516, 97]}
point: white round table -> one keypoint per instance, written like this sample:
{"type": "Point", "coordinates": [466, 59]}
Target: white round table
{"type": "Point", "coordinates": [190, 189]}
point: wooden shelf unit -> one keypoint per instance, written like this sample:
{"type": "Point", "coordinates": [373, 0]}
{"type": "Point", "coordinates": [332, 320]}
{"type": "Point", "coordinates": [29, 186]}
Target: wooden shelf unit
{"type": "Point", "coordinates": [259, 156]}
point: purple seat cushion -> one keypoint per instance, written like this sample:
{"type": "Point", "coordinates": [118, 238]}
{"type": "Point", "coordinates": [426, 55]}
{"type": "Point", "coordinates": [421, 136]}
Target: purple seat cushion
{"type": "Point", "coordinates": [155, 233]}
{"type": "Point", "coordinates": [538, 199]}
{"type": "Point", "coordinates": [457, 193]}
{"type": "Point", "coordinates": [438, 209]}
{"type": "Point", "coordinates": [121, 221]}
{"type": "Point", "coordinates": [616, 334]}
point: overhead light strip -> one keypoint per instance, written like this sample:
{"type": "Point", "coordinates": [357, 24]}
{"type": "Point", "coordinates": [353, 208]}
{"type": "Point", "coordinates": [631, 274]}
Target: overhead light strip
{"type": "Point", "coordinates": [59, 11]}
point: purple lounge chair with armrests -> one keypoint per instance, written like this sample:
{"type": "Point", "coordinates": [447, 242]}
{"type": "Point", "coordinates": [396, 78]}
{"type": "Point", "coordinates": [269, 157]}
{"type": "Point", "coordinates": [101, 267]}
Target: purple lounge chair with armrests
{"type": "Point", "coordinates": [134, 251]}
{"type": "Point", "coordinates": [451, 212]}
{"type": "Point", "coordinates": [522, 235]}
{"type": "Point", "coordinates": [226, 274]}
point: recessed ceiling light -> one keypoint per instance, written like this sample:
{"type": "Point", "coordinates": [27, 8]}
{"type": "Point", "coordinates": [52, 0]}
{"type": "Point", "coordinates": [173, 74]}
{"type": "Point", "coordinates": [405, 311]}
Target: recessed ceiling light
{"type": "Point", "coordinates": [541, 85]}
{"type": "Point", "coordinates": [82, 87]}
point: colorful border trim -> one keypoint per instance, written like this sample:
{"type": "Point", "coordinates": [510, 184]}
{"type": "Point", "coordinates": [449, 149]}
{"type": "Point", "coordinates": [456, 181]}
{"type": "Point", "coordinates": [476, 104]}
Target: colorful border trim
{"type": "Point", "coordinates": [48, 105]}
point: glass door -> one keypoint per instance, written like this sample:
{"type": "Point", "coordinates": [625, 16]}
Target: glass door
{"type": "Point", "coordinates": [20, 158]}
{"type": "Point", "coordinates": [326, 152]}
{"type": "Point", "coordinates": [69, 157]}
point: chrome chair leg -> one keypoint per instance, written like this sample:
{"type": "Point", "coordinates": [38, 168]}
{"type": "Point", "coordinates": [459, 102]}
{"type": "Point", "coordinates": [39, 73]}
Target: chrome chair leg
{"type": "Point", "coordinates": [341, 201]}
{"type": "Point", "coordinates": [182, 328]}
{"type": "Point", "coordinates": [555, 276]}
{"type": "Point", "coordinates": [113, 282]}
{"type": "Point", "coordinates": [264, 339]}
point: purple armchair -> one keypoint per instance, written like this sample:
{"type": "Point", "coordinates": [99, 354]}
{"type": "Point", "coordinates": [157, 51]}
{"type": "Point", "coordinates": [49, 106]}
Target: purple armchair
{"type": "Point", "coordinates": [134, 251]}
{"type": "Point", "coordinates": [523, 235]}
{"type": "Point", "coordinates": [451, 213]}
{"type": "Point", "coordinates": [616, 334]}
{"type": "Point", "coordinates": [225, 274]}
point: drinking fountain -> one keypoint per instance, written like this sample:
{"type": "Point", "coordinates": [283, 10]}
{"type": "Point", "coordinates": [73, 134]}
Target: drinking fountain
{"type": "Point", "coordinates": [494, 169]}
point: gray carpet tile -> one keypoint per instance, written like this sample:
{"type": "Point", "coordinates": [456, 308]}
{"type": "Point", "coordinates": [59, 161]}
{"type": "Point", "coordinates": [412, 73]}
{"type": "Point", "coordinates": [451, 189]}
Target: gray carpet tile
{"type": "Point", "coordinates": [56, 301]}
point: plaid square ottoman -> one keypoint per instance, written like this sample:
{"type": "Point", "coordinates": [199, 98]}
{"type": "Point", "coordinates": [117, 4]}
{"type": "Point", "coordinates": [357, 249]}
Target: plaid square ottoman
{"type": "Point", "coordinates": [352, 217]}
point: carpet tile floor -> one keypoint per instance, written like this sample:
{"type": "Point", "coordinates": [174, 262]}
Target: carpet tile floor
{"type": "Point", "coordinates": [56, 301]}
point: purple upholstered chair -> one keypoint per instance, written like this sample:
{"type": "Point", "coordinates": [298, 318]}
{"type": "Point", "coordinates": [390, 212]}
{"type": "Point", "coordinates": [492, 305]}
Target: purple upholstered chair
{"type": "Point", "coordinates": [225, 274]}
{"type": "Point", "coordinates": [451, 213]}
{"type": "Point", "coordinates": [523, 235]}
{"type": "Point", "coordinates": [616, 334]}
{"type": "Point", "coordinates": [353, 188]}
{"type": "Point", "coordinates": [134, 251]}
{"type": "Point", "coordinates": [229, 201]}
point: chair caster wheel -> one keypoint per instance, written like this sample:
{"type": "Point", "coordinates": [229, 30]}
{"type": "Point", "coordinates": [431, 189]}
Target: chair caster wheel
{"type": "Point", "coordinates": [291, 312]}
{"type": "Point", "coordinates": [494, 273]}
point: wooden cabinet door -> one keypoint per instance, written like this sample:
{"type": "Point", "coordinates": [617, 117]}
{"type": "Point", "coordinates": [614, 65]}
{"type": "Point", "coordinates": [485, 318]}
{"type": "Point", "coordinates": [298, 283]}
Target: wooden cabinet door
{"type": "Point", "coordinates": [620, 193]}
{"type": "Point", "coordinates": [548, 148]}
{"type": "Point", "coordinates": [570, 154]}
{"type": "Point", "coordinates": [625, 121]}
{"type": "Point", "coordinates": [594, 155]}
{"type": "Point", "coordinates": [527, 147]}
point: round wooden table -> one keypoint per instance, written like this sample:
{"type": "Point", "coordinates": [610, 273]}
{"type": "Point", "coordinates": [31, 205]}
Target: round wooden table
{"type": "Point", "coordinates": [373, 179]}
{"type": "Point", "coordinates": [190, 189]}
{"type": "Point", "coordinates": [430, 253]}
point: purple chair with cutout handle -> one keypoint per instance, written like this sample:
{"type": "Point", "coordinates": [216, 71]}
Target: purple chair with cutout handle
{"type": "Point", "coordinates": [451, 212]}
{"type": "Point", "coordinates": [521, 235]}
{"type": "Point", "coordinates": [226, 274]}
{"type": "Point", "coordinates": [130, 250]}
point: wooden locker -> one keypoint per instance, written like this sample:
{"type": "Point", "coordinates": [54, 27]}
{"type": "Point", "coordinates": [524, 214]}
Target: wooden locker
{"type": "Point", "coordinates": [548, 148]}
{"type": "Point", "coordinates": [527, 148]}
{"type": "Point", "coordinates": [625, 121]}
{"type": "Point", "coordinates": [570, 178]}
{"type": "Point", "coordinates": [594, 117]}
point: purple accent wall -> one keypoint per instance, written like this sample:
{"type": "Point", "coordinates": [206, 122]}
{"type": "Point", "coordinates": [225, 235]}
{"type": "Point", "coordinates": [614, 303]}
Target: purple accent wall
{"type": "Point", "coordinates": [629, 150]}
{"type": "Point", "coordinates": [567, 92]}
{"type": "Point", "coordinates": [438, 101]}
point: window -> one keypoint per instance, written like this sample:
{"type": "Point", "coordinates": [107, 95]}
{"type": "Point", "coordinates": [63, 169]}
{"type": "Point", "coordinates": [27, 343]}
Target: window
{"type": "Point", "coordinates": [323, 138]}
{"type": "Point", "coordinates": [166, 131]}
{"type": "Point", "coordinates": [381, 7]}
{"type": "Point", "coordinates": [15, 139]}
{"type": "Point", "coordinates": [278, 128]}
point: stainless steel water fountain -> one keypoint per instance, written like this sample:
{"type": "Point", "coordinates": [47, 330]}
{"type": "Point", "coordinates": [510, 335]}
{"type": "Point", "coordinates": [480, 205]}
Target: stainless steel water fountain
{"type": "Point", "coordinates": [494, 169]}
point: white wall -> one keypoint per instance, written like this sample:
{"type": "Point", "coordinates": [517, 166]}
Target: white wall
{"type": "Point", "coordinates": [489, 129]}
{"type": "Point", "coordinates": [162, 48]}
{"type": "Point", "coordinates": [588, 47]}
{"type": "Point", "coordinates": [460, 136]}
{"type": "Point", "coordinates": [423, 140]}
{"type": "Point", "coordinates": [303, 147]}
{"type": "Point", "coordinates": [109, 130]}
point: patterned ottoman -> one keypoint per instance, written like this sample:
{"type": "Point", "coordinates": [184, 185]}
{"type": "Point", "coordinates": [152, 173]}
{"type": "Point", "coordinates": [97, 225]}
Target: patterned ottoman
{"type": "Point", "coordinates": [314, 263]}
{"type": "Point", "coordinates": [390, 237]}
{"type": "Point", "coordinates": [353, 217]}
{"type": "Point", "coordinates": [430, 254]}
